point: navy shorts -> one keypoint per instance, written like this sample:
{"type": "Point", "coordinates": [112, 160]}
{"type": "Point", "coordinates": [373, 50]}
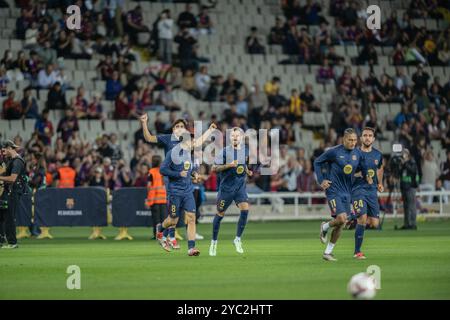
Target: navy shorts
{"type": "Point", "coordinates": [224, 199]}
{"type": "Point", "coordinates": [180, 203]}
{"type": "Point", "coordinates": [366, 203]}
{"type": "Point", "coordinates": [340, 203]}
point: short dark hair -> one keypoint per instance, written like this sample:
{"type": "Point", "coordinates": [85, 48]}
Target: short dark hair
{"type": "Point", "coordinates": [179, 121]}
{"type": "Point", "coordinates": [369, 129]}
{"type": "Point", "coordinates": [349, 131]}
{"type": "Point", "coordinates": [156, 161]}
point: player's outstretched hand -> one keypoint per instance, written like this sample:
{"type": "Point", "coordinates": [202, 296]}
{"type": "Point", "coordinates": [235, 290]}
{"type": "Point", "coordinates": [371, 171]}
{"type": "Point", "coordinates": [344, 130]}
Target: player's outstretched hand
{"type": "Point", "coordinates": [143, 118]}
{"type": "Point", "coordinates": [249, 172]}
{"type": "Point", "coordinates": [183, 173]}
{"type": "Point", "coordinates": [380, 187]}
{"type": "Point", "coordinates": [212, 126]}
{"type": "Point", "coordinates": [325, 184]}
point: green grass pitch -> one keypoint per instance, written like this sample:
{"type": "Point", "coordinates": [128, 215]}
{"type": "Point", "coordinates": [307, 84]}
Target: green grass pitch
{"type": "Point", "coordinates": [282, 261]}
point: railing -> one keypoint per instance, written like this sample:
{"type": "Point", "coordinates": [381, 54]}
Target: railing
{"type": "Point", "coordinates": [444, 194]}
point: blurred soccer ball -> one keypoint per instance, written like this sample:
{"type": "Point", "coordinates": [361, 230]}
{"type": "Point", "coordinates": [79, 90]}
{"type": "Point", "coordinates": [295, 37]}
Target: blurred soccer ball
{"type": "Point", "coordinates": [362, 286]}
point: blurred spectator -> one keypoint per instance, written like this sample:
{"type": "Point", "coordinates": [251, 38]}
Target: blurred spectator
{"type": "Point", "coordinates": [309, 99]}
{"type": "Point", "coordinates": [189, 84]}
{"type": "Point", "coordinates": [67, 125]}
{"type": "Point", "coordinates": [4, 80]}
{"type": "Point", "coordinates": [95, 108]}
{"type": "Point", "coordinates": [113, 86]}
{"type": "Point", "coordinates": [202, 81]}
{"type": "Point", "coordinates": [63, 45]}
{"type": "Point", "coordinates": [44, 128]}
{"type": "Point", "coordinates": [11, 108]}
{"type": "Point", "coordinates": [186, 49]}
{"type": "Point", "coordinates": [7, 61]}
{"type": "Point", "coordinates": [121, 106]}
{"type": "Point", "coordinates": [187, 18]}
{"type": "Point", "coordinates": [47, 77]}
{"type": "Point", "coordinates": [205, 24]}
{"type": "Point", "coordinates": [56, 99]}
{"type": "Point", "coordinates": [253, 44]}
{"type": "Point", "coordinates": [98, 180]}
{"type": "Point", "coordinates": [47, 54]}
{"type": "Point", "coordinates": [134, 24]}
{"type": "Point", "coordinates": [29, 105]}
{"type": "Point", "coordinates": [165, 36]}
{"type": "Point", "coordinates": [278, 32]}
{"type": "Point", "coordinates": [167, 99]}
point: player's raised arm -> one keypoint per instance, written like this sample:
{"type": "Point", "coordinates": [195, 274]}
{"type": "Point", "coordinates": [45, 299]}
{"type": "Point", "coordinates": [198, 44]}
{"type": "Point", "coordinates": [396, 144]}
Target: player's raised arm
{"type": "Point", "coordinates": [147, 135]}
{"type": "Point", "coordinates": [199, 142]}
{"type": "Point", "coordinates": [323, 159]}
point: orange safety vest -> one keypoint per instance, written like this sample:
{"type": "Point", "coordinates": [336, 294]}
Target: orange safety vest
{"type": "Point", "coordinates": [156, 190]}
{"type": "Point", "coordinates": [66, 177]}
{"type": "Point", "coordinates": [48, 179]}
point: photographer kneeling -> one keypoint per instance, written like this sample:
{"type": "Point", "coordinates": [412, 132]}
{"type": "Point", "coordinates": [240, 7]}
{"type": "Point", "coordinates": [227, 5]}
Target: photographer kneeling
{"type": "Point", "coordinates": [408, 186]}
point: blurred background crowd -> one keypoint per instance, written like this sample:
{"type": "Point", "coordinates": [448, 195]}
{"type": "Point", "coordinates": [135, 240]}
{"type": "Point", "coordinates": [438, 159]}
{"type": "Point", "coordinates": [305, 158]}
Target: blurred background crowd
{"type": "Point", "coordinates": [397, 81]}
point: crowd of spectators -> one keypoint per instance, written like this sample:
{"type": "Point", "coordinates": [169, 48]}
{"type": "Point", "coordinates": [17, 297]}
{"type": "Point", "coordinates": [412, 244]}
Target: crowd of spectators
{"type": "Point", "coordinates": [115, 35]}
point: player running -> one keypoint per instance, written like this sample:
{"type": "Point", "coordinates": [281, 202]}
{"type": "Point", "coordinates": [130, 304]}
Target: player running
{"type": "Point", "coordinates": [230, 164]}
{"type": "Point", "coordinates": [178, 167]}
{"type": "Point", "coordinates": [364, 194]}
{"type": "Point", "coordinates": [342, 162]}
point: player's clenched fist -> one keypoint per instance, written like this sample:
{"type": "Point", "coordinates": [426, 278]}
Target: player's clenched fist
{"type": "Point", "coordinates": [325, 184]}
{"type": "Point", "coordinates": [144, 118]}
{"type": "Point", "coordinates": [183, 173]}
{"type": "Point", "coordinates": [380, 187]}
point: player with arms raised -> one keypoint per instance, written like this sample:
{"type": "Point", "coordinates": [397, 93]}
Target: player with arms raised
{"type": "Point", "coordinates": [178, 167]}
{"type": "Point", "coordinates": [364, 194]}
{"type": "Point", "coordinates": [230, 164]}
{"type": "Point", "coordinates": [342, 162]}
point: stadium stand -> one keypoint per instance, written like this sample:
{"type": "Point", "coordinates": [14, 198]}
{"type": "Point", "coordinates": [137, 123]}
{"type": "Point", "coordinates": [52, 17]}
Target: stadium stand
{"type": "Point", "coordinates": [396, 80]}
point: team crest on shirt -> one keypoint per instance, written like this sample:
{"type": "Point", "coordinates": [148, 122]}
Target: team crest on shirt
{"type": "Point", "coordinates": [187, 165]}
{"type": "Point", "coordinates": [240, 169]}
{"type": "Point", "coordinates": [371, 173]}
{"type": "Point", "coordinates": [354, 157]}
{"type": "Point", "coordinates": [348, 169]}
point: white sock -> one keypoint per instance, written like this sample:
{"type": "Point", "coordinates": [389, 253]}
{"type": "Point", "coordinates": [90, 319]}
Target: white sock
{"type": "Point", "coordinates": [213, 241]}
{"type": "Point", "coordinates": [330, 247]}
{"type": "Point", "coordinates": [326, 226]}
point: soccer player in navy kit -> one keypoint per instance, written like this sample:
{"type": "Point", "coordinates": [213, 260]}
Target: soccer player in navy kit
{"type": "Point", "coordinates": [342, 162]}
{"type": "Point", "coordinates": [364, 195]}
{"type": "Point", "coordinates": [230, 164]}
{"type": "Point", "coordinates": [178, 167]}
{"type": "Point", "coordinates": [169, 141]}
